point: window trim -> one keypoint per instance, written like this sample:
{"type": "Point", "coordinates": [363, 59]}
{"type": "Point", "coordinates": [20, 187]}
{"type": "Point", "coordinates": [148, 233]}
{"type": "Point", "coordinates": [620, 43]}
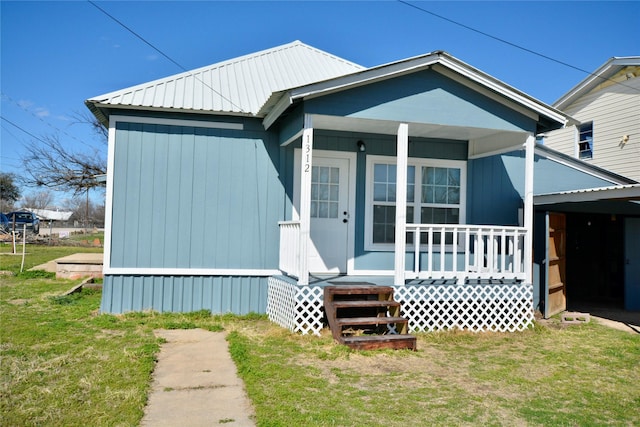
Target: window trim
{"type": "Point", "coordinates": [418, 163]}
{"type": "Point", "coordinates": [588, 154]}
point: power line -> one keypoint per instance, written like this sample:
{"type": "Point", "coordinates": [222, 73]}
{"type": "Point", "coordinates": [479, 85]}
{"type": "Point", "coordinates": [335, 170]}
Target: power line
{"type": "Point", "coordinates": [162, 53]}
{"type": "Point", "coordinates": [22, 129]}
{"type": "Point", "coordinates": [21, 106]}
{"type": "Point", "coordinates": [517, 46]}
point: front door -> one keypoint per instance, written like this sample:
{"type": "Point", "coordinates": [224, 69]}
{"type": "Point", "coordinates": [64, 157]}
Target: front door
{"type": "Point", "coordinates": [330, 215]}
{"type": "Point", "coordinates": [556, 289]}
{"type": "Point", "coordinates": [632, 264]}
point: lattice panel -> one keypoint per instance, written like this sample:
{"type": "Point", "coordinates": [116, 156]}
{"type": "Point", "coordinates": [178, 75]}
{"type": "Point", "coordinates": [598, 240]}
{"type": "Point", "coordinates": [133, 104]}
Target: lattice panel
{"type": "Point", "coordinates": [309, 305]}
{"type": "Point", "coordinates": [502, 308]}
{"type": "Point", "coordinates": [297, 308]}
{"type": "Point", "coordinates": [474, 307]}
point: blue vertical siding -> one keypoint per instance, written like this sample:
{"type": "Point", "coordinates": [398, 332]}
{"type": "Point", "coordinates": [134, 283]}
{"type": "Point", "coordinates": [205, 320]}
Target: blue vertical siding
{"type": "Point", "coordinates": [218, 294]}
{"type": "Point", "coordinates": [422, 97]}
{"type": "Point", "coordinates": [190, 197]}
{"type": "Point", "coordinates": [496, 185]}
{"type": "Point", "coordinates": [492, 197]}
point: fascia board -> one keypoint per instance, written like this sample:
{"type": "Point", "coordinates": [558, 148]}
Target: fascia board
{"type": "Point", "coordinates": [363, 77]}
{"type": "Point", "coordinates": [626, 192]}
{"type": "Point", "coordinates": [280, 107]}
{"type": "Point", "coordinates": [609, 68]}
{"type": "Point", "coordinates": [115, 107]}
{"type": "Point", "coordinates": [505, 90]}
{"type": "Point", "coordinates": [488, 93]}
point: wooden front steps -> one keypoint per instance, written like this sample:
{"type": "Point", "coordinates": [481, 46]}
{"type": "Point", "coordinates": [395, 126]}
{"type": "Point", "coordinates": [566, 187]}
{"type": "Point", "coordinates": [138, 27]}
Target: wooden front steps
{"type": "Point", "coordinates": [366, 317]}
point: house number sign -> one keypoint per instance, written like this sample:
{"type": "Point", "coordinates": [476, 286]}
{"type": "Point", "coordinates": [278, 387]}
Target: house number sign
{"type": "Point", "coordinates": [306, 154]}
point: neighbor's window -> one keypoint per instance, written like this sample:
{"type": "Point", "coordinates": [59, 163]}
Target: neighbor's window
{"type": "Point", "coordinates": [435, 194]}
{"type": "Point", "coordinates": [585, 141]}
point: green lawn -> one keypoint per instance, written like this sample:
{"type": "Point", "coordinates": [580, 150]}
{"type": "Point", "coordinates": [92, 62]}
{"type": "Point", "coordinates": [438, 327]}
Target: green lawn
{"type": "Point", "coordinates": [64, 364]}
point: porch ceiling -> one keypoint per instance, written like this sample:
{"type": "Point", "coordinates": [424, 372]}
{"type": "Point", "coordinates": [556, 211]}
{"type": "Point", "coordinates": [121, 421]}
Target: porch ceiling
{"type": "Point", "coordinates": [482, 140]}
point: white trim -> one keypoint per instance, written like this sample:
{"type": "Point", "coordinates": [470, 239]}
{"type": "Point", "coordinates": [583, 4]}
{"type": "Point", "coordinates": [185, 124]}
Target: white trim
{"type": "Point", "coordinates": [351, 228]}
{"type": "Point", "coordinates": [177, 122]}
{"type": "Point", "coordinates": [576, 142]}
{"type": "Point", "coordinates": [606, 70]}
{"type": "Point", "coordinates": [503, 89]}
{"type": "Point", "coordinates": [362, 77]}
{"type": "Point", "coordinates": [423, 62]}
{"type": "Point", "coordinates": [108, 205]}
{"type": "Point", "coordinates": [306, 160]}
{"type": "Point", "coordinates": [402, 153]}
{"type": "Point", "coordinates": [280, 107]}
{"type": "Point", "coordinates": [622, 192]}
{"type": "Point", "coordinates": [372, 273]}
{"type": "Point", "coordinates": [292, 138]}
{"type": "Point", "coordinates": [528, 206]}
{"type": "Point", "coordinates": [189, 271]}
{"type": "Point", "coordinates": [417, 162]}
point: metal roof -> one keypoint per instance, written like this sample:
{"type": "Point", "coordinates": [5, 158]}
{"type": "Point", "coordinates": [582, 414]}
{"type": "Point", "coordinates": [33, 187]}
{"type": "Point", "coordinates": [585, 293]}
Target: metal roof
{"type": "Point", "coordinates": [616, 192]}
{"type": "Point", "coordinates": [237, 86]}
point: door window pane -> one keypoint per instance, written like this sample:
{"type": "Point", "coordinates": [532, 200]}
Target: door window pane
{"type": "Point", "coordinates": [325, 192]}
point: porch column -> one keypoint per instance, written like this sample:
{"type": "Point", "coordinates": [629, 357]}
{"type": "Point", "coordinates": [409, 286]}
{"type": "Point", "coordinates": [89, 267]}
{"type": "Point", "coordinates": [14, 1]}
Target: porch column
{"type": "Point", "coordinates": [305, 199]}
{"type": "Point", "coordinates": [528, 207]}
{"type": "Point", "coordinates": [401, 202]}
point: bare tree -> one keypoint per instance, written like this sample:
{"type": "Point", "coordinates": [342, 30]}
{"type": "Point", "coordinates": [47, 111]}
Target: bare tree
{"type": "Point", "coordinates": [86, 118]}
{"type": "Point", "coordinates": [49, 164]}
{"type": "Point", "coordinates": [85, 212]}
{"type": "Point", "coordinates": [38, 200]}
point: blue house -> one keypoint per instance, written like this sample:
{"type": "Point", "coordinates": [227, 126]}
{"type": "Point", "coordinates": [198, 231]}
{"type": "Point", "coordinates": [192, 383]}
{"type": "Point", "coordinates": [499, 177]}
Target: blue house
{"type": "Point", "coordinates": [250, 184]}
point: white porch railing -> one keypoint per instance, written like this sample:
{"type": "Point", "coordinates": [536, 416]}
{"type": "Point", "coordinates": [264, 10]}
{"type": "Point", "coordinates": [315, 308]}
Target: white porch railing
{"type": "Point", "coordinates": [290, 255]}
{"type": "Point", "coordinates": [473, 251]}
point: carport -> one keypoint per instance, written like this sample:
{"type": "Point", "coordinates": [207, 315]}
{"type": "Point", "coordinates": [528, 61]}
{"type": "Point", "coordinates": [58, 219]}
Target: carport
{"type": "Point", "coordinates": [588, 248]}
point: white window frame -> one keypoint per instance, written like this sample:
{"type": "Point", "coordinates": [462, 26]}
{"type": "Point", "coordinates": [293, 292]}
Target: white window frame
{"type": "Point", "coordinates": [588, 153]}
{"type": "Point", "coordinates": [418, 163]}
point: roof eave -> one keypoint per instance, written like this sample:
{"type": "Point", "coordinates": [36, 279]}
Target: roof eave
{"type": "Point", "coordinates": [102, 111]}
{"type": "Point", "coordinates": [593, 79]}
{"type": "Point", "coordinates": [405, 67]}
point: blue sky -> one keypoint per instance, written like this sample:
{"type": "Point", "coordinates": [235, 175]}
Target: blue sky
{"type": "Point", "coordinates": [56, 54]}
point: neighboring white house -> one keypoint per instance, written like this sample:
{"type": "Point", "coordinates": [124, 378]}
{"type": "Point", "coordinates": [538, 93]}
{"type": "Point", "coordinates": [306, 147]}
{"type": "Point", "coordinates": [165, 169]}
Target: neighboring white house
{"type": "Point", "coordinates": [607, 104]}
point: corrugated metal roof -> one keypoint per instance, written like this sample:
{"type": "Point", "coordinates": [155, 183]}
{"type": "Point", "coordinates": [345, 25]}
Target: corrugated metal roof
{"type": "Point", "coordinates": [241, 85]}
{"type": "Point", "coordinates": [614, 192]}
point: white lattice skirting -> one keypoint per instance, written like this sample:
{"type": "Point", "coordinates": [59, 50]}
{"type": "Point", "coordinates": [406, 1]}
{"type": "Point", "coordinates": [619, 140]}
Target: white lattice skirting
{"type": "Point", "coordinates": [473, 307]}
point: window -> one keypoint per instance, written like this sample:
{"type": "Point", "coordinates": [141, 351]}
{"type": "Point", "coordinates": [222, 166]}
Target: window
{"type": "Point", "coordinates": [585, 141]}
{"type": "Point", "coordinates": [435, 195]}
{"type": "Point", "coordinates": [325, 187]}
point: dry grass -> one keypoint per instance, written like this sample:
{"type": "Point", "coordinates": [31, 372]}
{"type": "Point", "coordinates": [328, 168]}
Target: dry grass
{"type": "Point", "coordinates": [64, 364]}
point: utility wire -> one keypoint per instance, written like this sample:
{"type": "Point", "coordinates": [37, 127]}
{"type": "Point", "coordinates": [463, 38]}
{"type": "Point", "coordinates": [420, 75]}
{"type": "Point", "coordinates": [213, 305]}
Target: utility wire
{"type": "Point", "coordinates": [517, 46]}
{"type": "Point", "coordinates": [7, 97]}
{"type": "Point", "coordinates": [22, 129]}
{"type": "Point", "coordinates": [162, 53]}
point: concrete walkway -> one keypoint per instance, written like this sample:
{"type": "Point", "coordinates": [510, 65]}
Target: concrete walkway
{"type": "Point", "coordinates": [195, 383]}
